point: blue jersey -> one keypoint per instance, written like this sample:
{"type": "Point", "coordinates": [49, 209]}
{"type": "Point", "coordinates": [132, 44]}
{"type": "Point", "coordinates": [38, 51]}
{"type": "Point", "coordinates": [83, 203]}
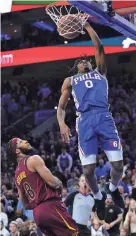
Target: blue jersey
{"type": "Point", "coordinates": [90, 91]}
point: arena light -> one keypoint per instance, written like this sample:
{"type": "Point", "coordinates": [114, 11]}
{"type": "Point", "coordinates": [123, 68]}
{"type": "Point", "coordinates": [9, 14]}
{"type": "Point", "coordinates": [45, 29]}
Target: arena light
{"type": "Point", "coordinates": [5, 37]}
{"type": "Point", "coordinates": [43, 25]}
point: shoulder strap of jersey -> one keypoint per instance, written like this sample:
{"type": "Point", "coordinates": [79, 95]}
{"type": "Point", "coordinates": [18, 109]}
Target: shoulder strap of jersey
{"type": "Point", "coordinates": [96, 69]}
{"type": "Point", "coordinates": [25, 162]}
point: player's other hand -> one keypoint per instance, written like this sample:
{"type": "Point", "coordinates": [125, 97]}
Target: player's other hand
{"type": "Point", "coordinates": [65, 133]}
{"type": "Point", "coordinates": [59, 187]}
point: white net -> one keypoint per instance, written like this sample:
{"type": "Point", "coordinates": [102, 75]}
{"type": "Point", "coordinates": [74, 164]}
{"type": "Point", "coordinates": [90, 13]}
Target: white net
{"type": "Point", "coordinates": [67, 18]}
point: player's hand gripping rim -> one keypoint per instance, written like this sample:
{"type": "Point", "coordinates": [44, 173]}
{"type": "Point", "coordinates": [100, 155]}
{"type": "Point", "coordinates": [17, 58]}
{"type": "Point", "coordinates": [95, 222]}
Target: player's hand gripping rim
{"type": "Point", "coordinates": [65, 133]}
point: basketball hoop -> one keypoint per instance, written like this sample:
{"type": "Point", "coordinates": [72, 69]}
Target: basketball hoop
{"type": "Point", "coordinates": [73, 18]}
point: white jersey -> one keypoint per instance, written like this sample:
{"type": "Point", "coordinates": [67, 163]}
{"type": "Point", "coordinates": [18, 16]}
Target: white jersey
{"type": "Point", "coordinates": [98, 232]}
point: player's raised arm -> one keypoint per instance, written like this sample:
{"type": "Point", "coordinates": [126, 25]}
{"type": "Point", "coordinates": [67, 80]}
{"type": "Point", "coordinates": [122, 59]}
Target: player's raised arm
{"type": "Point", "coordinates": [65, 94]}
{"type": "Point", "coordinates": [99, 55]}
{"type": "Point", "coordinates": [37, 164]}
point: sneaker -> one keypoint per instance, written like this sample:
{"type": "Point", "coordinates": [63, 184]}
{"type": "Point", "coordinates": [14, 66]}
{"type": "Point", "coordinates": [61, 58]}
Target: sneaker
{"type": "Point", "coordinates": [100, 207]}
{"type": "Point", "coordinates": [117, 198]}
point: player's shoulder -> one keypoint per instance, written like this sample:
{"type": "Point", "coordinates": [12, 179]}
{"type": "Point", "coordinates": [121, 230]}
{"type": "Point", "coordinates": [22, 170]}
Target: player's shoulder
{"type": "Point", "coordinates": [68, 80]}
{"type": "Point", "coordinates": [66, 83]}
{"type": "Point", "coordinates": [34, 156]}
{"type": "Point", "coordinates": [34, 159]}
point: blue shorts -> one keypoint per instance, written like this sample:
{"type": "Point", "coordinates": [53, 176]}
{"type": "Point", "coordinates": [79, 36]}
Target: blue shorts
{"type": "Point", "coordinates": [94, 128]}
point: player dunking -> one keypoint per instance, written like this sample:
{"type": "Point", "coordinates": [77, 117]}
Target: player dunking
{"type": "Point", "coordinates": [39, 190]}
{"type": "Point", "coordinates": [95, 123]}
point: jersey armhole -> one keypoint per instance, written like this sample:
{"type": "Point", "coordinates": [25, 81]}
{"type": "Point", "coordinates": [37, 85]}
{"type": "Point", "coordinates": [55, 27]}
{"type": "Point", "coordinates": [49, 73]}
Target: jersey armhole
{"type": "Point", "coordinates": [104, 76]}
{"type": "Point", "coordinates": [25, 163]}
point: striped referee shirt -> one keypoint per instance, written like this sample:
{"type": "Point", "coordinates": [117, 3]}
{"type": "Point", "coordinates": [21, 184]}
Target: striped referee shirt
{"type": "Point", "coordinates": [80, 207]}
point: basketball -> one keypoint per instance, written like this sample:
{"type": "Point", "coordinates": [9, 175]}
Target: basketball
{"type": "Point", "coordinates": [68, 27]}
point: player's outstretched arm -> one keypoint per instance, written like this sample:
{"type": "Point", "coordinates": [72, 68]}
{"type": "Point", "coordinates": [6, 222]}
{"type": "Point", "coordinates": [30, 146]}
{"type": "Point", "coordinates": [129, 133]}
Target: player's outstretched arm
{"type": "Point", "coordinates": [36, 163]}
{"type": "Point", "coordinates": [99, 55]}
{"type": "Point", "coordinates": [65, 94]}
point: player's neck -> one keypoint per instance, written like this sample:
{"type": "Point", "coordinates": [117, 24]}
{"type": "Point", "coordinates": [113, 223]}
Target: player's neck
{"type": "Point", "coordinates": [21, 157]}
{"type": "Point", "coordinates": [85, 72]}
{"type": "Point", "coordinates": [81, 73]}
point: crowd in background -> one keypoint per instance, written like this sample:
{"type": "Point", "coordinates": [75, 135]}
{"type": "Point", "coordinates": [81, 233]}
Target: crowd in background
{"type": "Point", "coordinates": [63, 160]}
{"type": "Point", "coordinates": [23, 97]}
{"type": "Point", "coordinates": [32, 37]}
{"type": "Point", "coordinates": [36, 37]}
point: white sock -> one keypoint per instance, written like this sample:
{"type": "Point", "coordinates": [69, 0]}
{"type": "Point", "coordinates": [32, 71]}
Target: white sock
{"type": "Point", "coordinates": [98, 195]}
{"type": "Point", "coordinates": [112, 187]}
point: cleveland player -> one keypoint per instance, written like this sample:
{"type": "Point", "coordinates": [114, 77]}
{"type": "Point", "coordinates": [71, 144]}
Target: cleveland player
{"type": "Point", "coordinates": [39, 190]}
{"type": "Point", "coordinates": [95, 124]}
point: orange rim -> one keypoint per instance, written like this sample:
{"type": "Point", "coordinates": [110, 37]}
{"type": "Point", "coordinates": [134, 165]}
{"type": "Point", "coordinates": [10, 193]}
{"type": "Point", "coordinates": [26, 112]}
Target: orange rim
{"type": "Point", "coordinates": [59, 4]}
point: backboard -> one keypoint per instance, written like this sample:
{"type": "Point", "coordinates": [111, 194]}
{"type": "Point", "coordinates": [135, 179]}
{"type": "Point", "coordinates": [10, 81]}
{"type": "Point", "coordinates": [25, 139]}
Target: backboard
{"type": "Point", "coordinates": [119, 15]}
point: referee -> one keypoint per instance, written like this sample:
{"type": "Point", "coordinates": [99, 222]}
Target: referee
{"type": "Point", "coordinates": [80, 205]}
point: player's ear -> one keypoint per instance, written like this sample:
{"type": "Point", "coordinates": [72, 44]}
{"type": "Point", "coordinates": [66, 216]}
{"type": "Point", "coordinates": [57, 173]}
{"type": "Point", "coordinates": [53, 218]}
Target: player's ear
{"type": "Point", "coordinates": [17, 151]}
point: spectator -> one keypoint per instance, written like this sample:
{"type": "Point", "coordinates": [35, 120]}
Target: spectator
{"type": "Point", "coordinates": [3, 187]}
{"type": "Point", "coordinates": [102, 184]}
{"type": "Point", "coordinates": [133, 196]}
{"type": "Point", "coordinates": [123, 232]}
{"type": "Point", "coordinates": [64, 194]}
{"type": "Point", "coordinates": [33, 229]}
{"type": "Point", "coordinates": [113, 217]}
{"type": "Point", "coordinates": [13, 106]}
{"type": "Point", "coordinates": [44, 91]}
{"type": "Point", "coordinates": [97, 229]}
{"type": "Point", "coordinates": [3, 216]}
{"type": "Point", "coordinates": [20, 211]}
{"type": "Point", "coordinates": [25, 229]}
{"type": "Point", "coordinates": [124, 185]}
{"type": "Point", "coordinates": [102, 169]}
{"type": "Point", "coordinates": [6, 98]}
{"type": "Point", "coordinates": [130, 221]}
{"type": "Point", "coordinates": [81, 202]}
{"type": "Point", "coordinates": [13, 229]}
{"type": "Point", "coordinates": [3, 230]}
{"type": "Point", "coordinates": [127, 202]}
{"type": "Point", "coordinates": [11, 203]}
{"type": "Point", "coordinates": [121, 190]}
{"type": "Point", "coordinates": [22, 98]}
{"type": "Point", "coordinates": [134, 170]}
{"type": "Point", "coordinates": [20, 224]}
{"type": "Point", "coordinates": [72, 181]}
{"type": "Point", "coordinates": [64, 161]}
